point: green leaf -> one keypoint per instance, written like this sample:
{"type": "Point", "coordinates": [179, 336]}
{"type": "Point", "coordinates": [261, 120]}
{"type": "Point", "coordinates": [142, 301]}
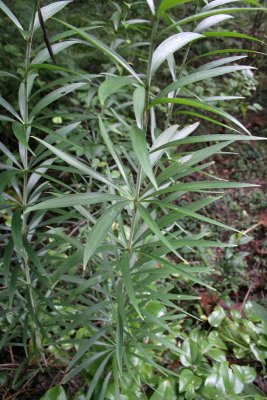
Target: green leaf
{"type": "Point", "coordinates": [164, 391]}
{"type": "Point", "coordinates": [169, 46]}
{"type": "Point", "coordinates": [8, 74]}
{"type": "Point", "coordinates": [19, 131]}
{"type": "Point", "coordinates": [9, 108]}
{"type": "Point", "coordinates": [249, 373]}
{"type": "Point", "coordinates": [44, 55]}
{"type": "Point", "coordinates": [201, 185]}
{"type": "Point", "coordinates": [138, 138]}
{"type": "Point", "coordinates": [89, 360]}
{"type": "Point", "coordinates": [16, 230]}
{"type": "Point", "coordinates": [75, 163]}
{"type": "Point", "coordinates": [216, 354]}
{"type": "Point", "coordinates": [104, 48]}
{"type": "Point", "coordinates": [55, 393]}
{"type": "Point", "coordinates": [100, 230]}
{"type": "Point", "coordinates": [50, 10]}
{"type": "Point", "coordinates": [184, 271]}
{"type": "Point", "coordinates": [196, 17]}
{"type": "Point", "coordinates": [215, 340]}
{"type": "Point", "coordinates": [10, 15]}
{"type": "Point", "coordinates": [211, 21]}
{"type": "Point", "coordinates": [166, 4]}
{"type": "Point", "coordinates": [72, 200]}
{"type": "Point", "coordinates": [192, 355]}
{"type": "Point", "coordinates": [155, 229]}
{"type": "Point", "coordinates": [97, 377]}
{"type": "Point", "coordinates": [112, 150]}
{"type": "Point", "coordinates": [139, 98]}
{"type": "Point", "coordinates": [216, 317]}
{"type": "Point", "coordinates": [208, 138]}
{"type": "Point", "coordinates": [219, 62]}
{"type": "Point", "coordinates": [201, 105]}
{"type": "Point", "coordinates": [231, 35]}
{"type": "Point", "coordinates": [127, 281]}
{"type": "Point", "coordinates": [151, 5]}
{"type": "Point", "coordinates": [112, 85]}
{"type": "Point", "coordinates": [164, 137]}
{"type": "Point", "coordinates": [218, 3]}
{"type": "Point", "coordinates": [201, 75]}
{"type": "Point", "coordinates": [55, 95]}
{"type": "Point", "coordinates": [187, 378]}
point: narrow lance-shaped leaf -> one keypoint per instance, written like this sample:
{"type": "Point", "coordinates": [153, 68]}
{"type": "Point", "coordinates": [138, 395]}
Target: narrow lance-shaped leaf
{"type": "Point", "coordinates": [8, 75]}
{"type": "Point", "coordinates": [155, 229]}
{"type": "Point", "coordinates": [218, 3]}
{"type": "Point", "coordinates": [167, 4]}
{"type": "Point", "coordinates": [113, 151]}
{"type": "Point", "coordinates": [193, 215]}
{"type": "Point", "coordinates": [97, 377]}
{"type": "Point", "coordinates": [55, 95]}
{"type": "Point", "coordinates": [201, 75]}
{"type": "Point", "coordinates": [127, 280]}
{"type": "Point", "coordinates": [151, 5]}
{"type": "Point", "coordinates": [208, 138]}
{"type": "Point", "coordinates": [76, 163]}
{"type": "Point", "coordinates": [196, 17]}
{"type": "Point", "coordinates": [219, 62]}
{"type": "Point", "coordinates": [222, 34]}
{"type": "Point", "coordinates": [169, 46]}
{"type": "Point", "coordinates": [211, 21]}
{"type": "Point", "coordinates": [10, 15]}
{"type": "Point", "coordinates": [16, 230]}
{"type": "Point", "coordinates": [139, 99]}
{"type": "Point", "coordinates": [185, 271]}
{"type": "Point", "coordinates": [163, 138]}
{"type": "Point", "coordinates": [139, 143]}
{"type": "Point", "coordinates": [201, 105]}
{"type": "Point", "coordinates": [104, 48]}
{"type": "Point", "coordinates": [19, 131]}
{"type": "Point", "coordinates": [202, 116]}
{"type": "Point", "coordinates": [50, 10]}
{"type": "Point", "coordinates": [44, 55]}
{"type": "Point", "coordinates": [112, 85]}
{"type": "Point", "coordinates": [196, 186]}
{"type": "Point", "coordinates": [72, 200]}
{"type": "Point", "coordinates": [9, 108]}
{"type": "Point", "coordinates": [100, 230]}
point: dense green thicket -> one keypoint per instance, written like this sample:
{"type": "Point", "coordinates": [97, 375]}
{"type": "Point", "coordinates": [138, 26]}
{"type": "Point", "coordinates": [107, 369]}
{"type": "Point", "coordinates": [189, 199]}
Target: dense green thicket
{"type": "Point", "coordinates": [114, 247]}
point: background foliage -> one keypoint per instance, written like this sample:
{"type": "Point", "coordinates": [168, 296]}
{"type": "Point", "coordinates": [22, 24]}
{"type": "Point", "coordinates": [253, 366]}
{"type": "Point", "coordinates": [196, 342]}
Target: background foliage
{"type": "Point", "coordinates": [121, 277]}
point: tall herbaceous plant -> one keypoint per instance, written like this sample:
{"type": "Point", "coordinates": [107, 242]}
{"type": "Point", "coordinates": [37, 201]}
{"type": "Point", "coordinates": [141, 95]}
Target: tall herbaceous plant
{"type": "Point", "coordinates": [107, 166]}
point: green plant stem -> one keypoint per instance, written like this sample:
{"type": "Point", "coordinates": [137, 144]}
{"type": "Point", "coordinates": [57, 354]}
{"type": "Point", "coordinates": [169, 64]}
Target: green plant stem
{"type": "Point", "coordinates": [25, 174]}
{"type": "Point", "coordinates": [147, 88]}
{"type": "Point", "coordinates": [170, 106]}
{"type": "Point", "coordinates": [26, 118]}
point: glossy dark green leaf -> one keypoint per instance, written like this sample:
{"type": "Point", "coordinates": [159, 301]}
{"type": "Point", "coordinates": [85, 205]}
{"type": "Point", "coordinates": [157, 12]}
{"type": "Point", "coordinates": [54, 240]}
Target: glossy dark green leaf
{"type": "Point", "coordinates": [55, 393]}
{"type": "Point", "coordinates": [216, 317]}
